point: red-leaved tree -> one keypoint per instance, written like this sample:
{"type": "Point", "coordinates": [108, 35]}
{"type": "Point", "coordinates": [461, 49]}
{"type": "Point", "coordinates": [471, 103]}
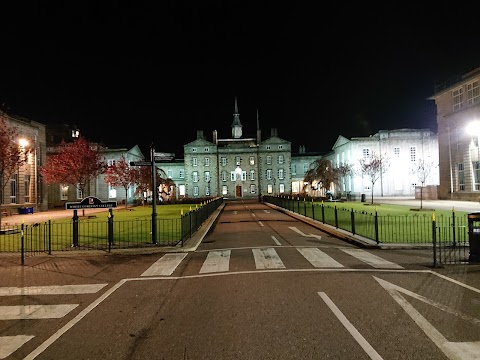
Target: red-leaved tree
{"type": "Point", "coordinates": [142, 176]}
{"type": "Point", "coordinates": [76, 163]}
{"type": "Point", "coordinates": [119, 173]}
{"type": "Point", "coordinates": [12, 155]}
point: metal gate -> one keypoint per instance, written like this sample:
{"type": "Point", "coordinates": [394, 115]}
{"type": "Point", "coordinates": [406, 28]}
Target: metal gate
{"type": "Point", "coordinates": [451, 245]}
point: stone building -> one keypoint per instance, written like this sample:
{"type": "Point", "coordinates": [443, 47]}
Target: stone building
{"type": "Point", "coordinates": [25, 188]}
{"type": "Point", "coordinates": [403, 150]}
{"type": "Point", "coordinates": [458, 120]}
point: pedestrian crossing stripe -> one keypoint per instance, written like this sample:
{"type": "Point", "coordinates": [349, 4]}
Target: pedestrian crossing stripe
{"type": "Point", "coordinates": [265, 258]}
{"type": "Point", "coordinates": [28, 312]}
{"type": "Point", "coordinates": [52, 290]}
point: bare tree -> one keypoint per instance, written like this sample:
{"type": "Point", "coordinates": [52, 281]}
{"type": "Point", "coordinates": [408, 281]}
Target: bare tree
{"type": "Point", "coordinates": [373, 167]}
{"type": "Point", "coordinates": [423, 168]}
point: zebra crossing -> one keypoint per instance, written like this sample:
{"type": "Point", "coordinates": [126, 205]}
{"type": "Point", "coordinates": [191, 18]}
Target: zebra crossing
{"type": "Point", "coordinates": [10, 344]}
{"type": "Point", "coordinates": [266, 258]}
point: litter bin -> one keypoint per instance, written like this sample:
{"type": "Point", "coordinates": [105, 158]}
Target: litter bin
{"type": "Point", "coordinates": [25, 210]}
{"type": "Point", "coordinates": [474, 236]}
{"type": "Point", "coordinates": [363, 198]}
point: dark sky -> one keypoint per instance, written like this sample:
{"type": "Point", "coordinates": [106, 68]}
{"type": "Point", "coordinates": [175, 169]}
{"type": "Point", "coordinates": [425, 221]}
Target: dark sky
{"type": "Point", "coordinates": [141, 72]}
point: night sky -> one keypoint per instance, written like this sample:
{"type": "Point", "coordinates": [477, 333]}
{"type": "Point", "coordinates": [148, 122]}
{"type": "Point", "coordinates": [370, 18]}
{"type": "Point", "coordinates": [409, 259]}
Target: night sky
{"type": "Point", "coordinates": [155, 72]}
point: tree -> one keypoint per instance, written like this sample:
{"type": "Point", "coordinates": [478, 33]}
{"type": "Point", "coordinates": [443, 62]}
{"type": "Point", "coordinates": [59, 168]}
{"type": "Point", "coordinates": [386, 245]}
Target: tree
{"type": "Point", "coordinates": [323, 173]}
{"type": "Point", "coordinates": [76, 163]}
{"type": "Point", "coordinates": [373, 167]}
{"type": "Point", "coordinates": [119, 173]}
{"type": "Point", "coordinates": [12, 155]}
{"type": "Point", "coordinates": [422, 168]}
{"type": "Point", "coordinates": [142, 177]}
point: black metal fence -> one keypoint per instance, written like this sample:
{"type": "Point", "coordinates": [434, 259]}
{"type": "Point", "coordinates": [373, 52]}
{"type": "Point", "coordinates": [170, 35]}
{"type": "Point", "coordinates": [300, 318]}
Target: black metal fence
{"type": "Point", "coordinates": [107, 235]}
{"type": "Point", "coordinates": [448, 235]}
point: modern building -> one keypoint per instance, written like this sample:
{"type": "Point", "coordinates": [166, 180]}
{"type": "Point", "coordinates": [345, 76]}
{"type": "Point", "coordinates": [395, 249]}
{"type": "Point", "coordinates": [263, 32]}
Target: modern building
{"type": "Point", "coordinates": [24, 188]}
{"type": "Point", "coordinates": [410, 157]}
{"type": "Point", "coordinates": [458, 120]}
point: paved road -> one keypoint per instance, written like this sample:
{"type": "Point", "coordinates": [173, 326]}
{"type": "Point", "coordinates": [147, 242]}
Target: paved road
{"type": "Point", "coordinates": [261, 285]}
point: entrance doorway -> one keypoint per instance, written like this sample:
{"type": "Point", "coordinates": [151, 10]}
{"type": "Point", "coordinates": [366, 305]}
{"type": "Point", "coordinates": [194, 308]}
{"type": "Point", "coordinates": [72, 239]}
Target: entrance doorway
{"type": "Point", "coordinates": [238, 191]}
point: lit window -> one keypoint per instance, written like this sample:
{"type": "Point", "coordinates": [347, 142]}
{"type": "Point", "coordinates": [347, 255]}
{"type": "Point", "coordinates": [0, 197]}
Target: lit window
{"type": "Point", "coordinates": [457, 96]}
{"type": "Point", "coordinates": [194, 162]}
{"type": "Point", "coordinates": [252, 160]}
{"type": "Point", "coordinates": [170, 173]}
{"type": "Point", "coordinates": [195, 176]}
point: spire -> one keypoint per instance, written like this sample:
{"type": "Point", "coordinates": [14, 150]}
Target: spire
{"type": "Point", "coordinates": [236, 125]}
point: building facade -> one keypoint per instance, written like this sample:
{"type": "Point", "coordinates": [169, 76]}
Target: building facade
{"type": "Point", "coordinates": [25, 188]}
{"type": "Point", "coordinates": [404, 151]}
{"type": "Point", "coordinates": [458, 120]}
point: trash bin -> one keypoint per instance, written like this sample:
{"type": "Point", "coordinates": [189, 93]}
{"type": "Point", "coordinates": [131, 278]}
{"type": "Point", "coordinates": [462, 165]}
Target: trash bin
{"type": "Point", "coordinates": [363, 198]}
{"type": "Point", "coordinates": [25, 210]}
{"type": "Point", "coordinates": [474, 236]}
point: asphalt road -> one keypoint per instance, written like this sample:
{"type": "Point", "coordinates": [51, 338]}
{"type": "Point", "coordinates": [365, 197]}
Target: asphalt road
{"type": "Point", "coordinates": [261, 285]}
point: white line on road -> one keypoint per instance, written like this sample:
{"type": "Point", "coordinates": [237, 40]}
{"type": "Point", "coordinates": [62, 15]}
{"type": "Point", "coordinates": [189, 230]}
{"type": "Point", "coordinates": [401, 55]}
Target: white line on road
{"type": "Point", "coordinates": [261, 224]}
{"type": "Point", "coordinates": [371, 352]}
{"type": "Point", "coordinates": [166, 265]}
{"type": "Point", "coordinates": [10, 344]}
{"type": "Point", "coordinates": [26, 312]}
{"type": "Point", "coordinates": [217, 261]}
{"type": "Point", "coordinates": [319, 237]}
{"type": "Point", "coordinates": [267, 259]}
{"type": "Point", "coordinates": [276, 241]}
{"type": "Point", "coordinates": [373, 260]}
{"type": "Point", "coordinates": [318, 258]}
{"type": "Point", "coordinates": [52, 290]}
{"type": "Point", "coordinates": [266, 211]}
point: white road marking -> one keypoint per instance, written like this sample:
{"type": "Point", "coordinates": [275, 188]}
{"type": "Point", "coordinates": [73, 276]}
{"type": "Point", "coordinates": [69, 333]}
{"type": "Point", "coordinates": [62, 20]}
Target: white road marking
{"type": "Point", "coordinates": [10, 344]}
{"type": "Point", "coordinates": [52, 290]}
{"type": "Point", "coordinates": [318, 258]}
{"type": "Point", "coordinates": [453, 350]}
{"type": "Point", "coordinates": [373, 260]}
{"type": "Point", "coordinates": [216, 261]}
{"type": "Point", "coordinates": [371, 352]}
{"type": "Point", "coordinates": [235, 212]}
{"type": "Point", "coordinates": [266, 211]}
{"type": "Point", "coordinates": [261, 224]}
{"type": "Point", "coordinates": [319, 237]}
{"type": "Point", "coordinates": [276, 241]}
{"type": "Point", "coordinates": [26, 312]}
{"type": "Point", "coordinates": [267, 259]}
{"type": "Point", "coordinates": [166, 265]}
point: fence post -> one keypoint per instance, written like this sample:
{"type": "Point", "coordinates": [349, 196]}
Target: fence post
{"type": "Point", "coordinates": [434, 240]}
{"type": "Point", "coordinates": [336, 217]}
{"type": "Point", "coordinates": [23, 245]}
{"type": "Point", "coordinates": [110, 229]}
{"type": "Point", "coordinates": [376, 226]}
{"type": "Point", "coordinates": [75, 228]}
{"type": "Point", "coordinates": [313, 210]}
{"type": "Point", "coordinates": [323, 213]}
{"type": "Point", "coordinates": [49, 236]}
{"type": "Point", "coordinates": [352, 219]}
{"type": "Point", "coordinates": [304, 207]}
{"type": "Point", "coordinates": [453, 225]}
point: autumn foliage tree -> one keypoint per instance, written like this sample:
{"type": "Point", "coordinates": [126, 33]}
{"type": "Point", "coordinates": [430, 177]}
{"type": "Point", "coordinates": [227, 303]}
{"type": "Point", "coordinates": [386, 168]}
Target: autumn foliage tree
{"type": "Point", "coordinates": [120, 174]}
{"type": "Point", "coordinates": [12, 155]}
{"type": "Point", "coordinates": [76, 163]}
{"type": "Point", "coordinates": [142, 176]}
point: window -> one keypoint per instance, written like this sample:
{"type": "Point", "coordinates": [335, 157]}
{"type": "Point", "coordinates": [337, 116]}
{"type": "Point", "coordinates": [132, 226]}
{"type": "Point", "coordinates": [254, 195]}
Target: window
{"type": "Point", "coordinates": [269, 188]}
{"type": "Point", "coordinates": [473, 93]}
{"type": "Point", "coordinates": [252, 189]}
{"type": "Point", "coordinates": [111, 162]}
{"type": "Point", "coordinates": [461, 177]}
{"type": "Point", "coordinates": [237, 160]}
{"type": "Point", "coordinates": [194, 149]}
{"type": "Point", "coordinates": [269, 174]}
{"type": "Point", "coordinates": [366, 154]}
{"type": "Point", "coordinates": [233, 177]}
{"type": "Point", "coordinates": [244, 175]}
{"type": "Point", "coordinates": [280, 174]}
{"type": "Point", "coordinates": [207, 191]}
{"type": "Point", "coordinates": [170, 173]}
{"type": "Point", "coordinates": [282, 188]}
{"type": "Point", "coordinates": [281, 159]}
{"type": "Point", "coordinates": [63, 192]}
{"type": "Point", "coordinates": [207, 161]}
{"type": "Point", "coordinates": [267, 147]}
{"type": "Point", "coordinates": [181, 190]}
{"type": "Point", "coordinates": [26, 184]}
{"type": "Point", "coordinates": [252, 175]}
{"type": "Point", "coordinates": [476, 174]}
{"type": "Point", "coordinates": [207, 149]}
{"type": "Point", "coordinates": [294, 169]}
{"type": "Point", "coordinates": [181, 174]}
{"type": "Point", "coordinates": [224, 175]}
{"type": "Point", "coordinates": [195, 176]}
{"type": "Point", "coordinates": [224, 161]}
{"type": "Point", "coordinates": [396, 152]}
{"type": "Point", "coordinates": [79, 192]}
{"type": "Point", "coordinates": [195, 191]}
{"type": "Point", "coordinates": [414, 185]}
{"type": "Point", "coordinates": [207, 176]}
{"type": "Point", "coordinates": [194, 161]}
{"type": "Point", "coordinates": [269, 159]}
{"type": "Point", "coordinates": [413, 153]}
{"type": "Point", "coordinates": [112, 192]}
{"type": "Point", "coordinates": [252, 160]}
{"type": "Point", "coordinates": [457, 96]}
{"type": "Point", "coordinates": [224, 190]}
{"type": "Point", "coordinates": [280, 147]}
{"type": "Point", "coordinates": [305, 168]}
